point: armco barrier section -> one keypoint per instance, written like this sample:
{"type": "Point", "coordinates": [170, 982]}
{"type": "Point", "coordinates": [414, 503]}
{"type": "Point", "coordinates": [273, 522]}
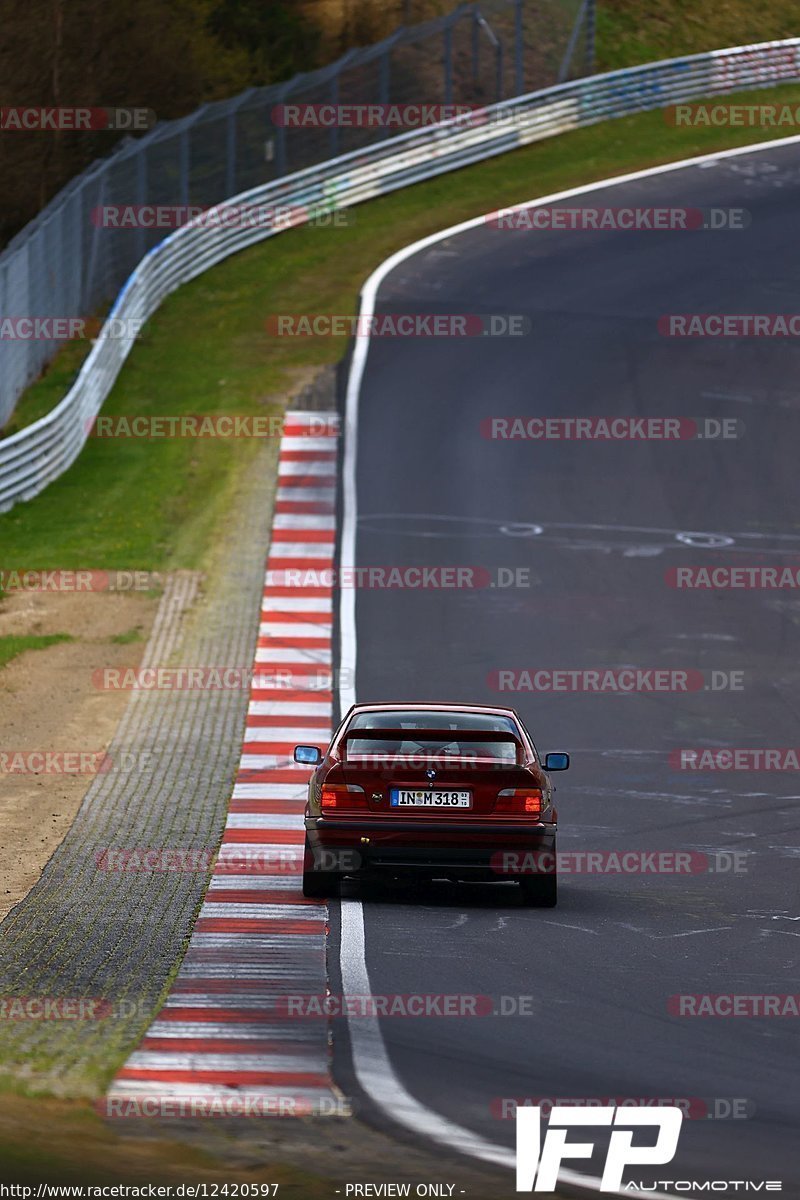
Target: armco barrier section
{"type": "Point", "coordinates": [38, 454]}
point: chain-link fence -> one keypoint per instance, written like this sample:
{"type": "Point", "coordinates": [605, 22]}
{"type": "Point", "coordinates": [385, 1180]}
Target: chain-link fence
{"type": "Point", "coordinates": [73, 258]}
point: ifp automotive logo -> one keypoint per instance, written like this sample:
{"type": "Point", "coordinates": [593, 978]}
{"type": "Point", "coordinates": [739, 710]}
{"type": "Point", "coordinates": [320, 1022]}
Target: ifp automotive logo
{"type": "Point", "coordinates": [538, 1164]}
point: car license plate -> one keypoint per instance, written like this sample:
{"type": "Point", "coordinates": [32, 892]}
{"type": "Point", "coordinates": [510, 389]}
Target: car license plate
{"type": "Point", "coordinates": [420, 798]}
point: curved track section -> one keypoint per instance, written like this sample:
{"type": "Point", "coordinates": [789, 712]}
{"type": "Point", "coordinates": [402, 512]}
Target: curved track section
{"type": "Point", "coordinates": [596, 529]}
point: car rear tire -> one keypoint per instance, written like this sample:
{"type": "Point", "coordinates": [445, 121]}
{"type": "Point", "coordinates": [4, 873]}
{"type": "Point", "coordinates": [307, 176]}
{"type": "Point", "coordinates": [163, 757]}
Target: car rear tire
{"type": "Point", "coordinates": [320, 885]}
{"type": "Point", "coordinates": [317, 885]}
{"type": "Point", "coordinates": [539, 891]}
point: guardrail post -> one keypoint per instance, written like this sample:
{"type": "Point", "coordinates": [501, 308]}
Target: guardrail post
{"type": "Point", "coordinates": [566, 62]}
{"type": "Point", "coordinates": [91, 259]}
{"type": "Point", "coordinates": [232, 141]}
{"type": "Point", "coordinates": [498, 54]}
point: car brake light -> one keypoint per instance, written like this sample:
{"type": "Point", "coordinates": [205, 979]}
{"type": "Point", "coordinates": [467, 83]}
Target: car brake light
{"type": "Point", "coordinates": [342, 795]}
{"type": "Point", "coordinates": [520, 800]}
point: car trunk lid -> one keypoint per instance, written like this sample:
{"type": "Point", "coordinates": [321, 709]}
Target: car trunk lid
{"type": "Point", "coordinates": [444, 774]}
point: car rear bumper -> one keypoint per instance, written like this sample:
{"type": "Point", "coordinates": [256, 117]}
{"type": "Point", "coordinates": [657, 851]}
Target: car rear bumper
{"type": "Point", "coordinates": [490, 850]}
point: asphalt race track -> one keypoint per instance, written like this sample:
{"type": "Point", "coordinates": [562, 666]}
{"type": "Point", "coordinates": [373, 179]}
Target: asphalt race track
{"type": "Point", "coordinates": [596, 527]}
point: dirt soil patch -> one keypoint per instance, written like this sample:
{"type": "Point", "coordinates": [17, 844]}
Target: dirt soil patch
{"type": "Point", "coordinates": [49, 705]}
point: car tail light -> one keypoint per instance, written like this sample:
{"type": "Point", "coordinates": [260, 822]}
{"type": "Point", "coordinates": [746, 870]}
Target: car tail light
{"type": "Point", "coordinates": [342, 795]}
{"type": "Point", "coordinates": [523, 801]}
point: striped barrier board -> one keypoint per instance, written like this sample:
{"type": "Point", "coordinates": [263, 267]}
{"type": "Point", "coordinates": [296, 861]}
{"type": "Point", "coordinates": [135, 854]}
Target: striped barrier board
{"type": "Point", "coordinates": [226, 1033]}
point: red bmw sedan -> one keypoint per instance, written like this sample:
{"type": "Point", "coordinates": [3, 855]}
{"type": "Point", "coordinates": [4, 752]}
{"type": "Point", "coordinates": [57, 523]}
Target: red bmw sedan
{"type": "Point", "coordinates": [432, 790]}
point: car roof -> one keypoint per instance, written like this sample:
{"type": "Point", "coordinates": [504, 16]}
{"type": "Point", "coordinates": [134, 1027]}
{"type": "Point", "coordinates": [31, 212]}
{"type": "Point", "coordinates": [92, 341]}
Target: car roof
{"type": "Point", "coordinates": [436, 706]}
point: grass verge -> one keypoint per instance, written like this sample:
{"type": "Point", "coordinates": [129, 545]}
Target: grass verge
{"type": "Point", "coordinates": [13, 644]}
{"type": "Point", "coordinates": [160, 504]}
{"type": "Point", "coordinates": [125, 639]}
{"type": "Point", "coordinates": [61, 1142]}
{"type": "Point", "coordinates": [637, 31]}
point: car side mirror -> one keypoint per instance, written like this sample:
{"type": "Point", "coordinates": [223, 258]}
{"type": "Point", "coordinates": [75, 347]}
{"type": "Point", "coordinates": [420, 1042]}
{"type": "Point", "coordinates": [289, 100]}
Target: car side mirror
{"type": "Point", "coordinates": [556, 762]}
{"type": "Point", "coordinates": [309, 756]}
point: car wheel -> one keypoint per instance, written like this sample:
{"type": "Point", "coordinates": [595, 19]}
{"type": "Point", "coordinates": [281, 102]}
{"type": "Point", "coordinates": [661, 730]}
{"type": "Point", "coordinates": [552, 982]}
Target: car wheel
{"type": "Point", "coordinates": [317, 885]}
{"type": "Point", "coordinates": [539, 891]}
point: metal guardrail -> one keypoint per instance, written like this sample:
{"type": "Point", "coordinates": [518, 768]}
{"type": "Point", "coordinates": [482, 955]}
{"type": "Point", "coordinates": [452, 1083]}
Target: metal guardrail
{"type": "Point", "coordinates": [35, 456]}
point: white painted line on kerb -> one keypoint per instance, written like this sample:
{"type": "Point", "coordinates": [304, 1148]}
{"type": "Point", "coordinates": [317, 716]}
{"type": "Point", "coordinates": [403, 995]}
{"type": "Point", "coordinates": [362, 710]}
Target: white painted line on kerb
{"type": "Point", "coordinates": [300, 604]}
{"type": "Point", "coordinates": [321, 467]}
{"type": "Point", "coordinates": [371, 1062]}
{"type": "Point", "coordinates": [294, 629]}
{"type": "Point", "coordinates": [321, 495]}
{"type": "Point", "coordinates": [285, 733]}
{"type": "Point", "coordinates": [309, 445]}
{"type": "Point", "coordinates": [303, 521]}
{"type": "Point", "coordinates": [300, 708]}
{"type": "Point", "coordinates": [300, 549]}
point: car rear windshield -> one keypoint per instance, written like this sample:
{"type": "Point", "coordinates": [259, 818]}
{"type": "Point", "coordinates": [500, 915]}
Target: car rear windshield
{"type": "Point", "coordinates": [418, 748]}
